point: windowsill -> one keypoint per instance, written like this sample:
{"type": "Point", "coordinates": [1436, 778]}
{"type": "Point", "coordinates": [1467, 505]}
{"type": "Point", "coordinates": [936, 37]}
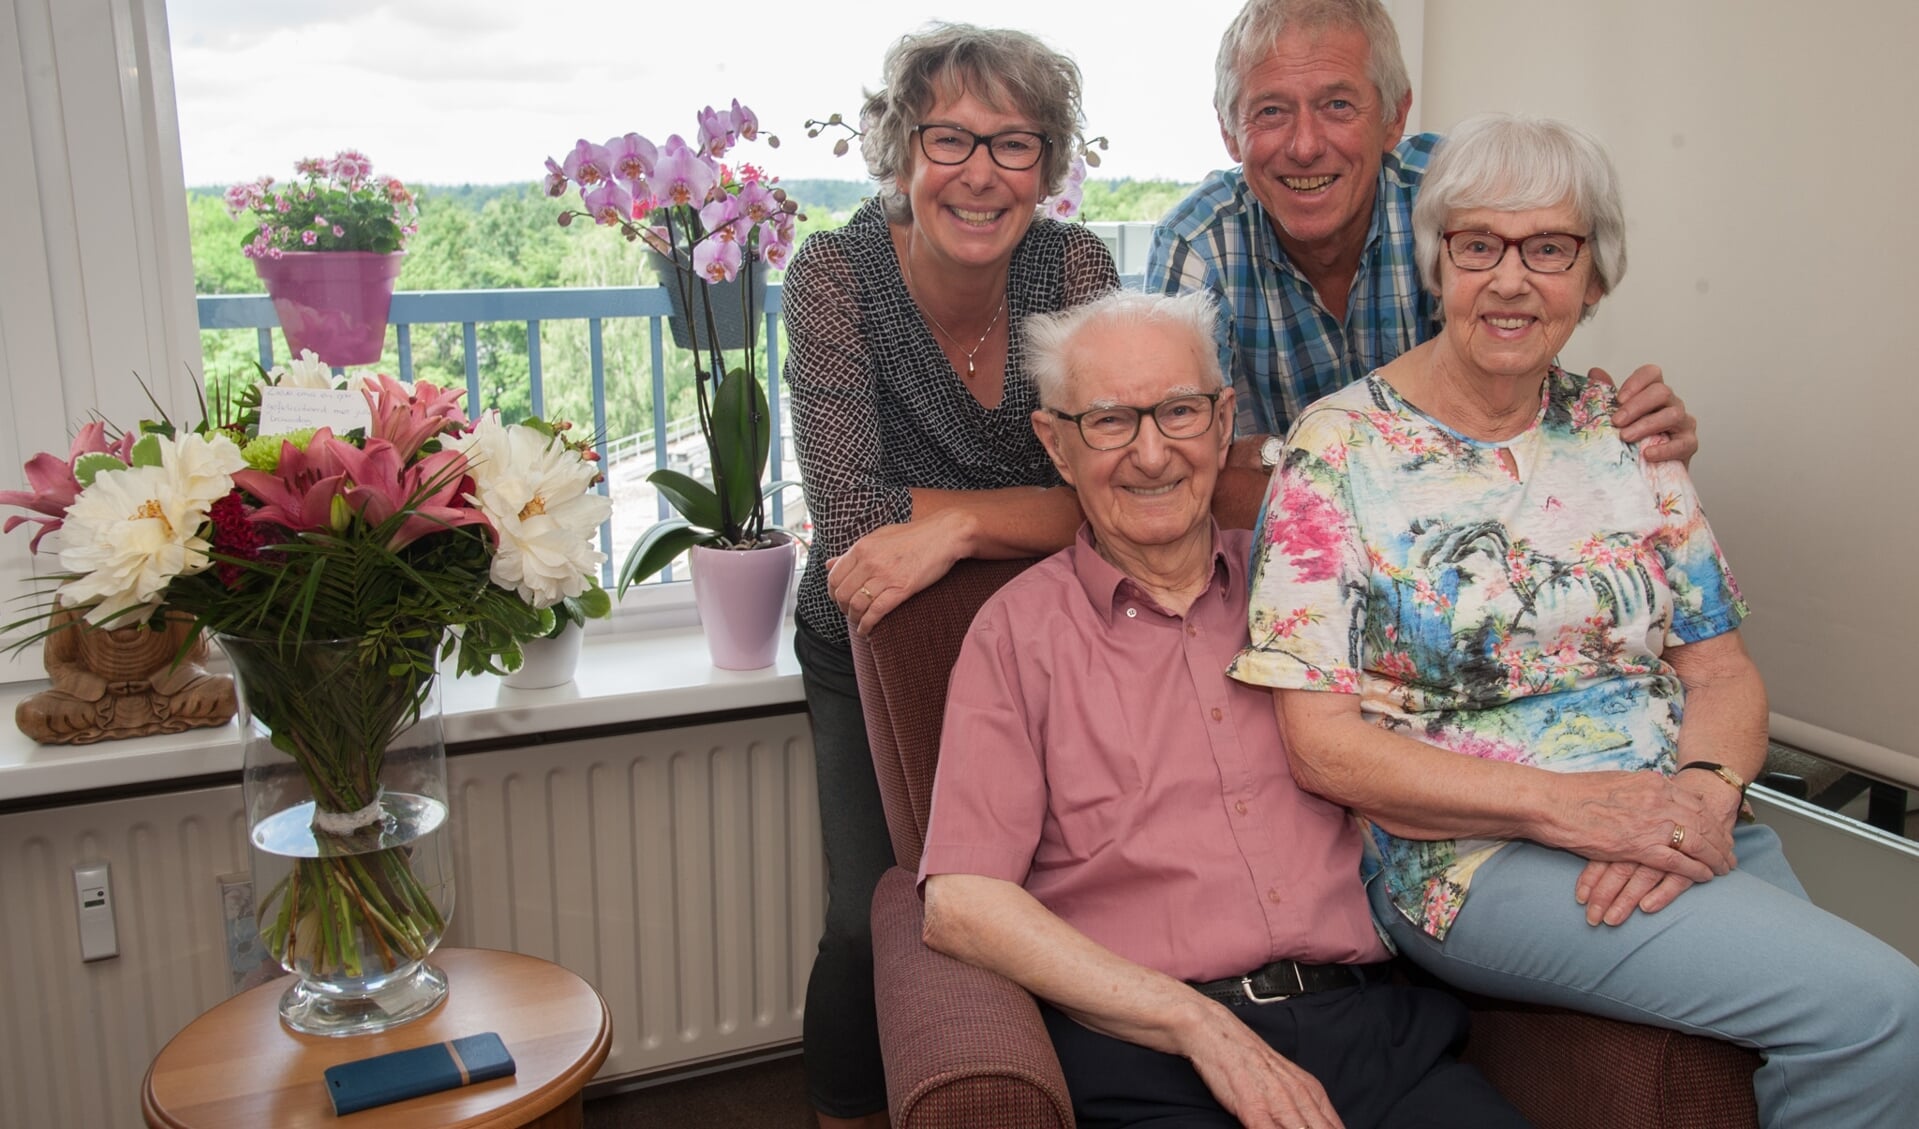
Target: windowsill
{"type": "Point", "coordinates": [659, 673]}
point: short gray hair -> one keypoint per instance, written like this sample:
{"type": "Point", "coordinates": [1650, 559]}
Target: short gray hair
{"type": "Point", "coordinates": [1513, 163]}
{"type": "Point", "coordinates": [1010, 71]}
{"type": "Point", "coordinates": [1251, 35]}
{"type": "Point", "coordinates": [1050, 337]}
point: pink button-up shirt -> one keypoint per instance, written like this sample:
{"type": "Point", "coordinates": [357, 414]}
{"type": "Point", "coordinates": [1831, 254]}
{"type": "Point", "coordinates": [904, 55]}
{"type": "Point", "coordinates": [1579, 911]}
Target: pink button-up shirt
{"type": "Point", "coordinates": [1096, 753]}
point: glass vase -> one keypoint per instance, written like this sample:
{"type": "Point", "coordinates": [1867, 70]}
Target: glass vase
{"type": "Point", "coordinates": [346, 799]}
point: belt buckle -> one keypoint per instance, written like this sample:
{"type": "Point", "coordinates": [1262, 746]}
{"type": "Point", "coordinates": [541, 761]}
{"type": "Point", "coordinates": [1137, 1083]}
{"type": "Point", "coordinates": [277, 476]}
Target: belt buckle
{"type": "Point", "coordinates": [1246, 986]}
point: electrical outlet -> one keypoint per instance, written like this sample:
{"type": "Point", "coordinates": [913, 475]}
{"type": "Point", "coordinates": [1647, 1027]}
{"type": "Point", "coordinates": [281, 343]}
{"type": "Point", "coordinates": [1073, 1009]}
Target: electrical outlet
{"type": "Point", "coordinates": [93, 899]}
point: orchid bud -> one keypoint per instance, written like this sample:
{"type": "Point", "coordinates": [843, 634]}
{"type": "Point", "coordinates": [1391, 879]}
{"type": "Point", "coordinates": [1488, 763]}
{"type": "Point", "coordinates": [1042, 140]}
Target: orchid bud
{"type": "Point", "coordinates": [566, 219]}
{"type": "Point", "coordinates": [840, 147]}
{"type": "Point", "coordinates": [789, 206]}
{"type": "Point", "coordinates": [772, 141]}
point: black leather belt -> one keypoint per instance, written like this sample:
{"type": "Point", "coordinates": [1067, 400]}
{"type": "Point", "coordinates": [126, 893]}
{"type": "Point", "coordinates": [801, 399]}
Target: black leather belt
{"type": "Point", "coordinates": [1285, 978]}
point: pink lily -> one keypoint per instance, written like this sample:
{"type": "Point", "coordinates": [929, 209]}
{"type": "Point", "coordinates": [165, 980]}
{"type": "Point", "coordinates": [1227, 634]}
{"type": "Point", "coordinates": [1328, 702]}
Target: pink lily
{"type": "Point", "coordinates": [374, 483]}
{"type": "Point", "coordinates": [682, 175]}
{"type": "Point", "coordinates": [406, 416]}
{"type": "Point", "coordinates": [53, 485]}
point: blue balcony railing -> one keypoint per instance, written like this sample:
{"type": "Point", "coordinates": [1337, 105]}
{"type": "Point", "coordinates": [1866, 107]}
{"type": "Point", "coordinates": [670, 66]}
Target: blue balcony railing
{"type": "Point", "coordinates": [470, 309]}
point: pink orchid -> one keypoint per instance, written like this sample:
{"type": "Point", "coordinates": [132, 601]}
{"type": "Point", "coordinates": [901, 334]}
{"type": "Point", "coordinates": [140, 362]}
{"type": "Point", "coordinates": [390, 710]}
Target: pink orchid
{"type": "Point", "coordinates": [555, 178]}
{"type": "Point", "coordinates": [756, 202]}
{"type": "Point", "coordinates": [54, 486]}
{"type": "Point", "coordinates": [682, 175]}
{"type": "Point", "coordinates": [776, 243]}
{"type": "Point", "coordinates": [717, 260]}
{"type": "Point", "coordinates": [721, 219]}
{"type": "Point", "coordinates": [588, 164]}
{"type": "Point", "coordinates": [610, 203]}
{"type": "Point", "coordinates": [632, 157]}
{"type": "Point", "coordinates": [745, 122]}
{"type": "Point", "coordinates": [716, 131]}
{"type": "Point", "coordinates": [406, 416]}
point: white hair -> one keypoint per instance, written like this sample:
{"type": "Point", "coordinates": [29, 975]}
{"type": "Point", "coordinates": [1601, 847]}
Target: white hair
{"type": "Point", "coordinates": [1050, 337]}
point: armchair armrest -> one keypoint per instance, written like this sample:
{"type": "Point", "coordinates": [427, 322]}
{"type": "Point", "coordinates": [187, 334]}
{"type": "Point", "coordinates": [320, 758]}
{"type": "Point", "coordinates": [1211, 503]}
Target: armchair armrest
{"type": "Point", "coordinates": [962, 1046]}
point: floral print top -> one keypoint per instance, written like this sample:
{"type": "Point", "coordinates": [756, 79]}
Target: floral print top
{"type": "Point", "coordinates": [1514, 617]}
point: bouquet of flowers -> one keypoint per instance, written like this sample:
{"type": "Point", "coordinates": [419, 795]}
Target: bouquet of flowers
{"type": "Point", "coordinates": [710, 224]}
{"type": "Point", "coordinates": [377, 538]}
{"type": "Point", "coordinates": [336, 205]}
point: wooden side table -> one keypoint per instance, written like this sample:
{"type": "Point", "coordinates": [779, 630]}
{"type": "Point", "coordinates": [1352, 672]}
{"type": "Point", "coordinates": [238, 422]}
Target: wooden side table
{"type": "Point", "coordinates": [237, 1066]}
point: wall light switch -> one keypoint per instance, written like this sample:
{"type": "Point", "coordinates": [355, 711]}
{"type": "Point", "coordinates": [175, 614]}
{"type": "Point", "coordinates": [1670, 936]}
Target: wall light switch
{"type": "Point", "coordinates": [93, 897]}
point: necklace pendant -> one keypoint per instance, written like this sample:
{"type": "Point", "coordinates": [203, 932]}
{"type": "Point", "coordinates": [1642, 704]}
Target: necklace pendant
{"type": "Point", "coordinates": [969, 366]}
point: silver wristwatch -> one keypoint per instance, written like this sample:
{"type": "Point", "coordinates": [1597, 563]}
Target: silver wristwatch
{"type": "Point", "coordinates": [1269, 451]}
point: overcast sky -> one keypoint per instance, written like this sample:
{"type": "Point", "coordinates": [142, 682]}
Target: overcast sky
{"type": "Point", "coordinates": [482, 91]}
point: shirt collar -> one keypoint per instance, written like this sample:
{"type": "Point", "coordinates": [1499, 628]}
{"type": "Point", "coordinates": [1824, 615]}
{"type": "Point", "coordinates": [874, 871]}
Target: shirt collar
{"type": "Point", "coordinates": [1102, 582]}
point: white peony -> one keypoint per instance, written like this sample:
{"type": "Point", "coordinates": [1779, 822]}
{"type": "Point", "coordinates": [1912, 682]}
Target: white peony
{"type": "Point", "coordinates": [133, 530]}
{"type": "Point", "coordinates": [307, 372]}
{"type": "Point", "coordinates": [537, 493]}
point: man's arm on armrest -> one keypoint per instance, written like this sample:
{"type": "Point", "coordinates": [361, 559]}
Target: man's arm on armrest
{"type": "Point", "coordinates": [997, 925]}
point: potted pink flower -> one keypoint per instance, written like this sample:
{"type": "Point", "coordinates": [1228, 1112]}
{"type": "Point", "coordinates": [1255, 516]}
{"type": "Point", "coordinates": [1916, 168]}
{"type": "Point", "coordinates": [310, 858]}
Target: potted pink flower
{"type": "Point", "coordinates": [328, 246]}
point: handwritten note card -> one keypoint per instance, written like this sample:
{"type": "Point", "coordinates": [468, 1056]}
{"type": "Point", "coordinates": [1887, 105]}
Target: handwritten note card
{"type": "Point", "coordinates": [292, 409]}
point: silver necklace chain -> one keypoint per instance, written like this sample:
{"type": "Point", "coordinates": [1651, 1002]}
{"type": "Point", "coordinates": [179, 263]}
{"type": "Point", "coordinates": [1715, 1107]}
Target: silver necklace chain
{"type": "Point", "coordinates": [907, 267]}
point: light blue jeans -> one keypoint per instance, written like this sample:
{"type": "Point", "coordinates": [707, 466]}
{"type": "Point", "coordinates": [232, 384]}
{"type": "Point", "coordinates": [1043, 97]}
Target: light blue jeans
{"type": "Point", "coordinates": [1745, 958]}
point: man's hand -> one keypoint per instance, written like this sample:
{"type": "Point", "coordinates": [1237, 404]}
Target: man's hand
{"type": "Point", "coordinates": [1256, 1084]}
{"type": "Point", "coordinates": [1610, 891]}
{"type": "Point", "coordinates": [1650, 410]}
{"type": "Point", "coordinates": [891, 563]}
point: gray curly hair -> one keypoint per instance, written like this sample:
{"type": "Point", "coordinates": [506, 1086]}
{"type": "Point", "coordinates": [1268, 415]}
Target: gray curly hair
{"type": "Point", "coordinates": [1007, 70]}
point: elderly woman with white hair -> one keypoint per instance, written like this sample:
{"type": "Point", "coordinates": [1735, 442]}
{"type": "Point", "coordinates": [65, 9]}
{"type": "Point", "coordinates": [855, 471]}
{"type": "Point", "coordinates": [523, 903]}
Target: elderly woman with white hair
{"type": "Point", "coordinates": [1510, 643]}
{"type": "Point", "coordinates": [910, 413]}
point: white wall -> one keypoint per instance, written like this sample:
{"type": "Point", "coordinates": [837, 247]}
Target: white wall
{"type": "Point", "coordinates": [1773, 247]}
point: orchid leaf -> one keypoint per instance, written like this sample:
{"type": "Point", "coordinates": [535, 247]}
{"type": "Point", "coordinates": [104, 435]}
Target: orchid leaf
{"type": "Point", "coordinates": [90, 465]}
{"type": "Point", "coordinates": [146, 452]}
{"type": "Point", "coordinates": [695, 500]}
{"type": "Point", "coordinates": [742, 435]}
{"type": "Point", "coordinates": [657, 549]}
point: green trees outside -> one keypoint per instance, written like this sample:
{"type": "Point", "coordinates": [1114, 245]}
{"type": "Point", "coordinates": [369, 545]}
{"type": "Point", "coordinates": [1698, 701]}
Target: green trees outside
{"type": "Point", "coordinates": [506, 237]}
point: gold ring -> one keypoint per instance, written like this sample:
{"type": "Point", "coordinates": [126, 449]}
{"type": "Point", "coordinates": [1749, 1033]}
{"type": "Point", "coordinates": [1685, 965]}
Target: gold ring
{"type": "Point", "coordinates": [1678, 836]}
{"type": "Point", "coordinates": [865, 593]}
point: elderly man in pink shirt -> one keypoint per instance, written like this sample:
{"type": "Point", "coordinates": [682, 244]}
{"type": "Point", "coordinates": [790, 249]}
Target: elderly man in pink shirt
{"type": "Point", "coordinates": [1114, 825]}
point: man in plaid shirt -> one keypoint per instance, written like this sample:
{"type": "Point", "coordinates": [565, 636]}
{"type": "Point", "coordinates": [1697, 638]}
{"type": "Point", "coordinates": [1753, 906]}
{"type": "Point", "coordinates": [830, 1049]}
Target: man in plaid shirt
{"type": "Point", "coordinates": [1312, 97]}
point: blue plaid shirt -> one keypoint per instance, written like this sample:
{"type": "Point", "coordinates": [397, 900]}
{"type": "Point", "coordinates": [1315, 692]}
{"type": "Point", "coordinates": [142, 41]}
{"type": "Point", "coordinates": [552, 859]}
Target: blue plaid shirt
{"type": "Point", "coordinates": [1281, 347]}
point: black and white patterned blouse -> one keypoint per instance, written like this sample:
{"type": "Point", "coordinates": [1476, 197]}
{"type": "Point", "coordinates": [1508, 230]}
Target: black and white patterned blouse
{"type": "Point", "coordinates": [877, 407]}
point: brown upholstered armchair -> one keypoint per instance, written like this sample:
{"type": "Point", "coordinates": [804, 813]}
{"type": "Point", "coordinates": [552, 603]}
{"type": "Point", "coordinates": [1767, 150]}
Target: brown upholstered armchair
{"type": "Point", "coordinates": [965, 1048]}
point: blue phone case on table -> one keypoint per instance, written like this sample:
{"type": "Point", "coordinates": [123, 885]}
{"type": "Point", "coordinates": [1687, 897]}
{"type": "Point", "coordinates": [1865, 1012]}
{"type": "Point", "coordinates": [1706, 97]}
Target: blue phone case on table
{"type": "Point", "coordinates": [400, 1075]}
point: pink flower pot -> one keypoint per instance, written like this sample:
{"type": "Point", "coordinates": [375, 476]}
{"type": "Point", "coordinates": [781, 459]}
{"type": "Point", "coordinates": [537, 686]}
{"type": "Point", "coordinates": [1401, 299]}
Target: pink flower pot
{"type": "Point", "coordinates": [741, 596]}
{"type": "Point", "coordinates": [332, 302]}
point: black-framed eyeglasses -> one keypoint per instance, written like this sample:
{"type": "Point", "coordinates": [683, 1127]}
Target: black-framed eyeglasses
{"type": "Point", "coordinates": [1114, 426]}
{"type": "Point", "coordinates": [1014, 150]}
{"type": "Point", "coordinates": [1548, 252]}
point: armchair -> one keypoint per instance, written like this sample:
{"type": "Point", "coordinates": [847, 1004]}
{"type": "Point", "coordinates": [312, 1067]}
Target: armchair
{"type": "Point", "coordinates": [966, 1048]}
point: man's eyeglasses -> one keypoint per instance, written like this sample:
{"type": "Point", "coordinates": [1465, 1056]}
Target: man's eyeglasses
{"type": "Point", "coordinates": [1549, 252]}
{"type": "Point", "coordinates": [1116, 425]}
{"type": "Point", "coordinates": [1014, 150]}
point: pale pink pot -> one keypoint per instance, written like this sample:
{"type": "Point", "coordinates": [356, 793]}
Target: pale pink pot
{"type": "Point", "coordinates": [741, 596]}
{"type": "Point", "coordinates": [332, 302]}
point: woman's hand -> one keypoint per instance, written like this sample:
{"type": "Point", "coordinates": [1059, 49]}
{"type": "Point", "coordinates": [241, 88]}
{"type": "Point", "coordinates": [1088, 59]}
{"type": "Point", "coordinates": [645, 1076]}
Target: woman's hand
{"type": "Point", "coordinates": [1610, 891]}
{"type": "Point", "coordinates": [1645, 818]}
{"type": "Point", "coordinates": [891, 563]}
{"type": "Point", "coordinates": [1649, 410]}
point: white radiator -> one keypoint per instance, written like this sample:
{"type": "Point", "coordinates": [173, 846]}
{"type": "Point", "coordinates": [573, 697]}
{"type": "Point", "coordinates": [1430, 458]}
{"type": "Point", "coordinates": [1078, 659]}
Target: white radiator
{"type": "Point", "coordinates": [678, 871]}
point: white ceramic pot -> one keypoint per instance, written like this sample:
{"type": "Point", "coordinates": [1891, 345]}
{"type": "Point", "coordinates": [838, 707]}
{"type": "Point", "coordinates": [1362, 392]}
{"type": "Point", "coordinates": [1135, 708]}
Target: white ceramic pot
{"type": "Point", "coordinates": [548, 662]}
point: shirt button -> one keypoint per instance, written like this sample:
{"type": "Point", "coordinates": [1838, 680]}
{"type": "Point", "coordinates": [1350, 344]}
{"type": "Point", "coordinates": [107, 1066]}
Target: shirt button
{"type": "Point", "coordinates": [1216, 714]}
{"type": "Point", "coordinates": [1132, 613]}
{"type": "Point", "coordinates": [1272, 895]}
{"type": "Point", "coordinates": [1191, 630]}
{"type": "Point", "coordinates": [1240, 807]}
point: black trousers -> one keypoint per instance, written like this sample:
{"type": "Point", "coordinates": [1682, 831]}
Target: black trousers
{"type": "Point", "coordinates": [1383, 1052]}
